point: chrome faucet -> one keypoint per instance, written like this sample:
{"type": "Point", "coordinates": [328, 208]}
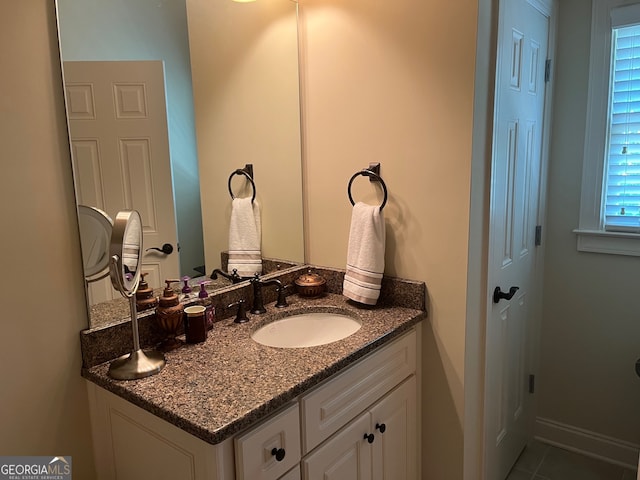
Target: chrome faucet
{"type": "Point", "coordinates": [258, 300]}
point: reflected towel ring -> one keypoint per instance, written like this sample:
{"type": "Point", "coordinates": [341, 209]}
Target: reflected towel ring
{"type": "Point", "coordinates": [240, 171]}
{"type": "Point", "coordinates": [373, 176]}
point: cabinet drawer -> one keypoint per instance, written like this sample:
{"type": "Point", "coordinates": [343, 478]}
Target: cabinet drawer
{"type": "Point", "coordinates": [326, 409]}
{"type": "Point", "coordinates": [255, 458]}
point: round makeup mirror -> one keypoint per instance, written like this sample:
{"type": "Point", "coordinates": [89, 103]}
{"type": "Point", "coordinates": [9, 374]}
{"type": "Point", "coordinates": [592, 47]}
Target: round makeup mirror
{"type": "Point", "coordinates": [95, 235]}
{"type": "Point", "coordinates": [125, 254]}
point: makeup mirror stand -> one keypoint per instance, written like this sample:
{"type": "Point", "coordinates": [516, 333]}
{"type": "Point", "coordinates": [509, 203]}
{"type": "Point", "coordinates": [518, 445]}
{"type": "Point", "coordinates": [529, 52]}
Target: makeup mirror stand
{"type": "Point", "coordinates": [137, 364]}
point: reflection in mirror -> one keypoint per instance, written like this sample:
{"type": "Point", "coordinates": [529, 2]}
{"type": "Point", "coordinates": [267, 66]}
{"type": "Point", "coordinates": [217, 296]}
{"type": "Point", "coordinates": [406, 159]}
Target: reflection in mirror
{"type": "Point", "coordinates": [247, 111]}
{"type": "Point", "coordinates": [240, 64]}
{"type": "Point", "coordinates": [130, 110]}
{"type": "Point", "coordinates": [95, 234]}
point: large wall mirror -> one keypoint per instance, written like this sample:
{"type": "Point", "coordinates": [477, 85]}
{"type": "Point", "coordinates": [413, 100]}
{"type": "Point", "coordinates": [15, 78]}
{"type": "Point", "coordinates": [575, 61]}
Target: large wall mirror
{"type": "Point", "coordinates": [199, 88]}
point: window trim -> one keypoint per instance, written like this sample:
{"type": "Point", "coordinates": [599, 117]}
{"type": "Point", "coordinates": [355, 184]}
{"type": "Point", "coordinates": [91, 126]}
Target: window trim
{"type": "Point", "coordinates": [591, 234]}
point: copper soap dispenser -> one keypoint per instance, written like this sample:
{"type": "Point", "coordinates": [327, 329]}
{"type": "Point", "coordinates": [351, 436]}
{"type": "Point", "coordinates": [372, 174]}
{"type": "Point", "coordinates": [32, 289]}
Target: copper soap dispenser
{"type": "Point", "coordinates": [169, 316]}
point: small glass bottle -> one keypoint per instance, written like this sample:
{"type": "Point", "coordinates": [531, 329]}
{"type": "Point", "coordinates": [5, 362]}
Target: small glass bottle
{"type": "Point", "coordinates": [203, 299]}
{"type": "Point", "coordinates": [186, 295]}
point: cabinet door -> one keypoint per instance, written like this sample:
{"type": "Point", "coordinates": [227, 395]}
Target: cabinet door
{"type": "Point", "coordinates": [347, 456]}
{"type": "Point", "coordinates": [133, 444]}
{"type": "Point", "coordinates": [394, 450]}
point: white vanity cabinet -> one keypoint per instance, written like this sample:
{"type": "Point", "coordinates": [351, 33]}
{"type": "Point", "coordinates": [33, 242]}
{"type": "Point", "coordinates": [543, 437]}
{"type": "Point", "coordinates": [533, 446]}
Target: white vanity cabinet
{"type": "Point", "coordinates": [379, 444]}
{"type": "Point", "coordinates": [321, 433]}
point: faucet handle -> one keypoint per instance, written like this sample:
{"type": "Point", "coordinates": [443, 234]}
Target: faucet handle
{"type": "Point", "coordinates": [233, 276]}
{"type": "Point", "coordinates": [241, 316]}
{"type": "Point", "coordinates": [282, 297]}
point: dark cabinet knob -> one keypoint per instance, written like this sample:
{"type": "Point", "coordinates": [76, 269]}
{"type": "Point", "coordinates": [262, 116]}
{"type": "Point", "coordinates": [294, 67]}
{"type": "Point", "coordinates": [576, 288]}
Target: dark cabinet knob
{"type": "Point", "coordinates": [278, 453]}
{"type": "Point", "coordinates": [381, 426]}
{"type": "Point", "coordinates": [369, 437]}
{"type": "Point", "coordinates": [499, 294]}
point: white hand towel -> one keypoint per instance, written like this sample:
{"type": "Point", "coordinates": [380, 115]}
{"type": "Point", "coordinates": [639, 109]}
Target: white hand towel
{"type": "Point", "coordinates": [245, 237]}
{"type": "Point", "coordinates": [365, 255]}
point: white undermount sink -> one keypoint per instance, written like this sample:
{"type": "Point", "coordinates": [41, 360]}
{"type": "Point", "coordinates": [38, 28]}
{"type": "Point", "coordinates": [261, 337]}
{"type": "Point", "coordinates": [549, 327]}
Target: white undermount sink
{"type": "Point", "coordinates": [306, 330]}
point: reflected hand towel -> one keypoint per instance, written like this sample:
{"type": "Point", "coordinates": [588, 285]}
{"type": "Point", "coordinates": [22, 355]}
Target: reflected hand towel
{"type": "Point", "coordinates": [245, 237]}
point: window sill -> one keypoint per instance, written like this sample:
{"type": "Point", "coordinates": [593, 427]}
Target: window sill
{"type": "Point", "coordinates": [614, 243]}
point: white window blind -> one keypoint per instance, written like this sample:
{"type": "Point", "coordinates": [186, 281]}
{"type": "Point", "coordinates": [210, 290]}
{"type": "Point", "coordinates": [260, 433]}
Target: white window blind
{"type": "Point", "coordinates": [622, 180]}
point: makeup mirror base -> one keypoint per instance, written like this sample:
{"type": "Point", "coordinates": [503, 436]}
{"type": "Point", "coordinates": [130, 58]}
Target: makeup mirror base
{"type": "Point", "coordinates": [137, 364]}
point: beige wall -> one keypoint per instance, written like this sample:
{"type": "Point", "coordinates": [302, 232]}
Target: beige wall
{"type": "Point", "coordinates": [590, 336]}
{"type": "Point", "coordinates": [393, 82]}
{"type": "Point", "coordinates": [43, 402]}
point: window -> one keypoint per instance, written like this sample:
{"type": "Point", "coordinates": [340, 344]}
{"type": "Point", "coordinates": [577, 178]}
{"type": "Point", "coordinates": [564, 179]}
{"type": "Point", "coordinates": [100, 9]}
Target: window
{"type": "Point", "coordinates": [610, 202]}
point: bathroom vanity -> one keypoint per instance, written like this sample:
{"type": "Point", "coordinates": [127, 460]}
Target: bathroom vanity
{"type": "Point", "coordinates": [231, 408]}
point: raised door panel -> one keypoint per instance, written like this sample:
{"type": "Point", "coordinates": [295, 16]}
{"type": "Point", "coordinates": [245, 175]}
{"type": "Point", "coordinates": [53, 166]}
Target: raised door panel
{"type": "Point", "coordinates": [347, 456]}
{"type": "Point", "coordinates": [334, 404]}
{"type": "Point", "coordinates": [136, 450]}
{"type": "Point", "coordinates": [393, 421]}
{"type": "Point", "coordinates": [132, 444]}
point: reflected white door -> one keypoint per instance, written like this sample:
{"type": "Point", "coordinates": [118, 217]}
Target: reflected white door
{"type": "Point", "coordinates": [515, 184]}
{"type": "Point", "coordinates": [119, 139]}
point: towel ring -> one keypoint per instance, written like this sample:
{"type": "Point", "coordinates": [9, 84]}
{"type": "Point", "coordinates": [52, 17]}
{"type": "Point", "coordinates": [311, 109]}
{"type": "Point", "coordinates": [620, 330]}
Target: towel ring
{"type": "Point", "coordinates": [240, 171]}
{"type": "Point", "coordinates": [372, 175]}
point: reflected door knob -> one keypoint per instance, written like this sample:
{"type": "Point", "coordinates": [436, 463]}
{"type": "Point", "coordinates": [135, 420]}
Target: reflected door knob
{"type": "Point", "coordinates": [167, 249]}
{"type": "Point", "coordinates": [499, 294]}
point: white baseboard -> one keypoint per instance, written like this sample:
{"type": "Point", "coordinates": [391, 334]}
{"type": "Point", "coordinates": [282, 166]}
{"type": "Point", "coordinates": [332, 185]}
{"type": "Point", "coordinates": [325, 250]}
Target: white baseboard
{"type": "Point", "coordinates": [588, 443]}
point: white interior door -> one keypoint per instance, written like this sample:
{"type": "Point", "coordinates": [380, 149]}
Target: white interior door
{"type": "Point", "coordinates": [119, 139]}
{"type": "Point", "coordinates": [515, 189]}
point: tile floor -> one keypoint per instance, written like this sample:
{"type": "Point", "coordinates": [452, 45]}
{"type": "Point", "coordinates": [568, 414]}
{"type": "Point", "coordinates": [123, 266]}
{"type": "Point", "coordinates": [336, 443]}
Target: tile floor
{"type": "Point", "coordinates": [545, 462]}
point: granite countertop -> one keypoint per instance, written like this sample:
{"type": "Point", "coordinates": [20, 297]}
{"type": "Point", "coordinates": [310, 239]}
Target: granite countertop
{"type": "Point", "coordinates": [215, 389]}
